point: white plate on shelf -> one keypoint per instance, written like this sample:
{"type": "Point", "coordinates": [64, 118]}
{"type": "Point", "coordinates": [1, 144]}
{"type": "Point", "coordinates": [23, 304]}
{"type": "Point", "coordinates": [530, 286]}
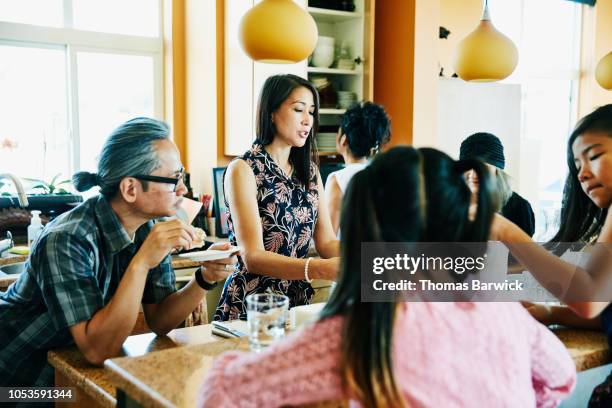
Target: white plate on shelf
{"type": "Point", "coordinates": [211, 254]}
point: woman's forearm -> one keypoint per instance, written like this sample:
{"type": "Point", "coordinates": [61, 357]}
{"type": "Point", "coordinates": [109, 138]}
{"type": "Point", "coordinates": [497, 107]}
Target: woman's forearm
{"type": "Point", "coordinates": [566, 281]}
{"type": "Point", "coordinates": [565, 316]}
{"type": "Point", "coordinates": [328, 249]}
{"type": "Point", "coordinates": [588, 310]}
{"type": "Point", "coordinates": [283, 267]}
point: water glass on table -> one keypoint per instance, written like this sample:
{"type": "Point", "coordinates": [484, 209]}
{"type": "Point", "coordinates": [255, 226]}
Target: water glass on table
{"type": "Point", "coordinates": [266, 316]}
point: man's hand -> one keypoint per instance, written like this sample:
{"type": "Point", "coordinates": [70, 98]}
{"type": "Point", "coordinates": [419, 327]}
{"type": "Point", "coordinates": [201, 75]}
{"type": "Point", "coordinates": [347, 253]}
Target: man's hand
{"type": "Point", "coordinates": [164, 237]}
{"type": "Point", "coordinates": [213, 271]}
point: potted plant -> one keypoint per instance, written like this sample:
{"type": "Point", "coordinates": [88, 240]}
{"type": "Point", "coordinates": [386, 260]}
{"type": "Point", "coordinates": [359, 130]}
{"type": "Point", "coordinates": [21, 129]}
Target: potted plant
{"type": "Point", "coordinates": [51, 198]}
{"type": "Point", "coordinates": [52, 187]}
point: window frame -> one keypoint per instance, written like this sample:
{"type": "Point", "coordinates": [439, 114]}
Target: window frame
{"type": "Point", "coordinates": [73, 41]}
{"type": "Point", "coordinates": [573, 76]}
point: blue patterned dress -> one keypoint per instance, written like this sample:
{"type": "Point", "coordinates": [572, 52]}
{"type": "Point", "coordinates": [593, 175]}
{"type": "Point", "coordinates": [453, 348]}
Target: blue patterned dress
{"type": "Point", "coordinates": [288, 213]}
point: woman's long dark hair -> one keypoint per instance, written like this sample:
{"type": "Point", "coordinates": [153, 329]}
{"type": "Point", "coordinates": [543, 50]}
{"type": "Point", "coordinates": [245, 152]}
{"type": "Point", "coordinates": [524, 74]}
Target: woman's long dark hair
{"type": "Point", "coordinates": [581, 220]}
{"type": "Point", "coordinates": [275, 91]}
{"type": "Point", "coordinates": [405, 195]}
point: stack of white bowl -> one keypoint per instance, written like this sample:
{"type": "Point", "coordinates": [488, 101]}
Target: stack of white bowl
{"type": "Point", "coordinates": [320, 82]}
{"type": "Point", "coordinates": [346, 99]}
{"type": "Point", "coordinates": [323, 55]}
{"type": "Point", "coordinates": [326, 142]}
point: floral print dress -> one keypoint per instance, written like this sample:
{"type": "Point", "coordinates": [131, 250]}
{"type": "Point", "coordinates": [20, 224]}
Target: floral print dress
{"type": "Point", "coordinates": [288, 213]}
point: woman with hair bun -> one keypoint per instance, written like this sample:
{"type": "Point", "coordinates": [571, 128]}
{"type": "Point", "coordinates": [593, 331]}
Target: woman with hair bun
{"type": "Point", "coordinates": [365, 127]}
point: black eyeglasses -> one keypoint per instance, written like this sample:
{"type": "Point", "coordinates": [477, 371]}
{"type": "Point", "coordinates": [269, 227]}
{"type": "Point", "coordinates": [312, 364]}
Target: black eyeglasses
{"type": "Point", "coordinates": [167, 180]}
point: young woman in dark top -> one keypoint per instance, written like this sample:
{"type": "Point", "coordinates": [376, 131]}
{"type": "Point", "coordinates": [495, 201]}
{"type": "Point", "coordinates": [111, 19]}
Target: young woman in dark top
{"type": "Point", "coordinates": [585, 219]}
{"type": "Point", "coordinates": [489, 149]}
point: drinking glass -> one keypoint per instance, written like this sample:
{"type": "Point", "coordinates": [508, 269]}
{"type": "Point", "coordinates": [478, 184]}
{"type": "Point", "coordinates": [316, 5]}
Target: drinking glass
{"type": "Point", "coordinates": [266, 316]}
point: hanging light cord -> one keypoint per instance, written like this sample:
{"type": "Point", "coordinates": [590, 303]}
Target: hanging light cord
{"type": "Point", "coordinates": [485, 11]}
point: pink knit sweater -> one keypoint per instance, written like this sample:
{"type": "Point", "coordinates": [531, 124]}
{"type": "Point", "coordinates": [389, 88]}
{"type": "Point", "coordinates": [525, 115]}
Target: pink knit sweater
{"type": "Point", "coordinates": [444, 355]}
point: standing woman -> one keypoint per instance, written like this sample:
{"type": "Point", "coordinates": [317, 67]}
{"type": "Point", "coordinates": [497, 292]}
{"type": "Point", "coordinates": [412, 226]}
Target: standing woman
{"type": "Point", "coordinates": [276, 203]}
{"type": "Point", "coordinates": [365, 127]}
{"type": "Point", "coordinates": [487, 148]}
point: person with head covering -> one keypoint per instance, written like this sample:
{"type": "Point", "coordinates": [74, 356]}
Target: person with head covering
{"type": "Point", "coordinates": [487, 148]}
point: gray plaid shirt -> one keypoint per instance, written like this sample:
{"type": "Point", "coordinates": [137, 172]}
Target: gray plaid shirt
{"type": "Point", "coordinates": [73, 271]}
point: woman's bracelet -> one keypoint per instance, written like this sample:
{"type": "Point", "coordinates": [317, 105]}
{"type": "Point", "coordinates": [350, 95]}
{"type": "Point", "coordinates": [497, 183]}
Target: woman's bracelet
{"type": "Point", "coordinates": [306, 271]}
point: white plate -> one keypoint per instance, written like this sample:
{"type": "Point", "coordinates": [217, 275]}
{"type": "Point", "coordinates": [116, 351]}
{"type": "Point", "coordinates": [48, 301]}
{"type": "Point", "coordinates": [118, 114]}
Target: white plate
{"type": "Point", "coordinates": [211, 254]}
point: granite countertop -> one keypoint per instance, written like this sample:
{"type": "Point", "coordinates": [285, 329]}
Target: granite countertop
{"type": "Point", "coordinates": [588, 348]}
{"type": "Point", "coordinates": [172, 378]}
{"type": "Point", "coordinates": [95, 381]}
{"type": "Point", "coordinates": [171, 375]}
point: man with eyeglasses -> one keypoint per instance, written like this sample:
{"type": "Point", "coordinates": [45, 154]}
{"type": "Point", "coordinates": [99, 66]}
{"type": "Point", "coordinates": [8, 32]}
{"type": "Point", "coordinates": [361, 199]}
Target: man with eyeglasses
{"type": "Point", "coordinates": [93, 267]}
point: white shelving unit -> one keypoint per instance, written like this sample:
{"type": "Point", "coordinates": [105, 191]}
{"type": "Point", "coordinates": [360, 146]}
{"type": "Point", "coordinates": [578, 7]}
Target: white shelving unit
{"type": "Point", "coordinates": [348, 28]}
{"type": "Point", "coordinates": [244, 78]}
{"type": "Point", "coordinates": [333, 16]}
{"type": "Point", "coordinates": [327, 111]}
{"type": "Point", "coordinates": [333, 71]}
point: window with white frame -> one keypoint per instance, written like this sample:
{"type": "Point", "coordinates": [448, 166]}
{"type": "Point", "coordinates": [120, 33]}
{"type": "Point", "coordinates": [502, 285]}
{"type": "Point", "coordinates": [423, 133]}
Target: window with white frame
{"type": "Point", "coordinates": [70, 72]}
{"type": "Point", "coordinates": [547, 34]}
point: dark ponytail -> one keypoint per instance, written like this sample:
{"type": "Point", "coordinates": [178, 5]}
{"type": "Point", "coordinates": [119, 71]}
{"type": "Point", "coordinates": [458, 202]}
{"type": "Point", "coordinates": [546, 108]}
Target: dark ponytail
{"type": "Point", "coordinates": [404, 195]}
{"type": "Point", "coordinates": [447, 220]}
{"type": "Point", "coordinates": [381, 204]}
{"type": "Point", "coordinates": [84, 180]}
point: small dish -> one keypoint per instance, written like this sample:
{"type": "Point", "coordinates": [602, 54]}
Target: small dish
{"type": "Point", "coordinates": [211, 254]}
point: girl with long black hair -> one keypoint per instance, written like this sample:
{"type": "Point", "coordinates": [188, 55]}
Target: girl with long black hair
{"type": "Point", "coordinates": [585, 219]}
{"type": "Point", "coordinates": [391, 354]}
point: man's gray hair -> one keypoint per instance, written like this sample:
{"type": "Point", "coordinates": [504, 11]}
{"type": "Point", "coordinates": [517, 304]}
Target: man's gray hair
{"type": "Point", "coordinates": [128, 151]}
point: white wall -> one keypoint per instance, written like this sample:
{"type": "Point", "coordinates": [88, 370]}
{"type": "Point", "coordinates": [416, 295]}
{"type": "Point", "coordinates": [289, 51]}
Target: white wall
{"type": "Point", "coordinates": [425, 72]}
{"type": "Point", "coordinates": [201, 92]}
{"type": "Point", "coordinates": [465, 108]}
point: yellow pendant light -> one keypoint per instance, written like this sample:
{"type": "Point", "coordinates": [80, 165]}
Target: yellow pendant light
{"type": "Point", "coordinates": [278, 31]}
{"type": "Point", "coordinates": [486, 54]}
{"type": "Point", "coordinates": [603, 72]}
